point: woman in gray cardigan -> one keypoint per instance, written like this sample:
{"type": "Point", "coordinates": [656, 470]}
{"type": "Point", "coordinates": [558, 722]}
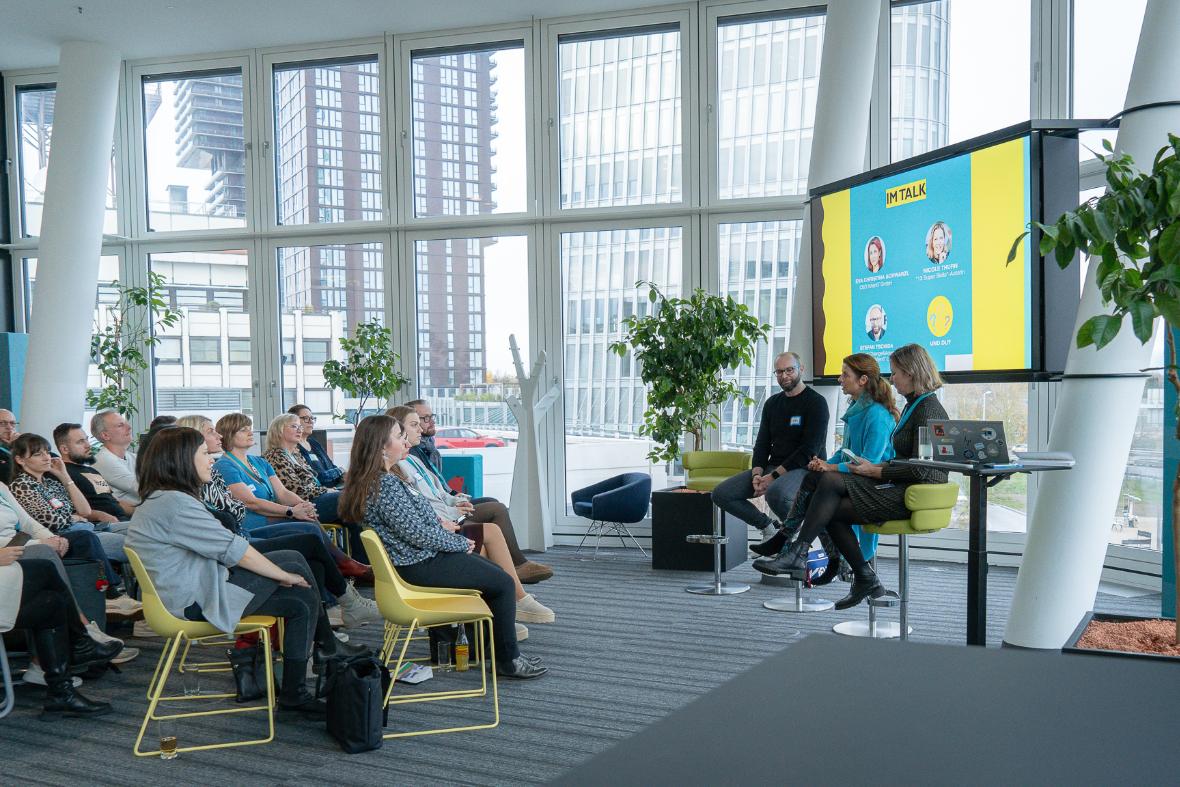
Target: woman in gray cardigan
{"type": "Point", "coordinates": [204, 572]}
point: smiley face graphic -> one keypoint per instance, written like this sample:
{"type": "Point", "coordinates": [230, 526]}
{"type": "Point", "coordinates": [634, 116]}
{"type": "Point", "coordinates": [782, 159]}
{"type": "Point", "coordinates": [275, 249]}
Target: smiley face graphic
{"type": "Point", "coordinates": [939, 316]}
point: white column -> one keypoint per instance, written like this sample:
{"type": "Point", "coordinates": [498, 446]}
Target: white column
{"type": "Point", "coordinates": [1095, 418]}
{"type": "Point", "coordinates": [841, 135]}
{"type": "Point", "coordinates": [71, 236]}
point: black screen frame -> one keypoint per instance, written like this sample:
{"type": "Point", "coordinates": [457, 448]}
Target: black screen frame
{"type": "Point", "coordinates": [1055, 293]}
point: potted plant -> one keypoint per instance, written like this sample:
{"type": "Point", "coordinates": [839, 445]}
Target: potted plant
{"type": "Point", "coordinates": [369, 368]}
{"type": "Point", "coordinates": [682, 347]}
{"type": "Point", "coordinates": [1133, 233]}
{"type": "Point", "coordinates": [120, 347]}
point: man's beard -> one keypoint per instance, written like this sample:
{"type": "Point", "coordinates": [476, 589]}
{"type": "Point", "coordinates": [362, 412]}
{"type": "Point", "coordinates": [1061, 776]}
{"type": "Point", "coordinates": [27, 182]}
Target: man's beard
{"type": "Point", "coordinates": [85, 460]}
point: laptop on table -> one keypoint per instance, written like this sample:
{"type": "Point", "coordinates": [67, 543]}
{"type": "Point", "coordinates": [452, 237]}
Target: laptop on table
{"type": "Point", "coordinates": [970, 442]}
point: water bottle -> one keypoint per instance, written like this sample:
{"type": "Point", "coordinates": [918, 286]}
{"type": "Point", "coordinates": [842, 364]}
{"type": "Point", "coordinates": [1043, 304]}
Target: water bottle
{"type": "Point", "coordinates": [461, 650]}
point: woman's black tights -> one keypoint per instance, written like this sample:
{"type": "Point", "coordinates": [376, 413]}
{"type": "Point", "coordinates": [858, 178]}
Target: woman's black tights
{"type": "Point", "coordinates": [831, 509]}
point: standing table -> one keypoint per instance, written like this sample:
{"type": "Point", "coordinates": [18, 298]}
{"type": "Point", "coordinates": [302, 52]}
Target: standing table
{"type": "Point", "coordinates": [980, 479]}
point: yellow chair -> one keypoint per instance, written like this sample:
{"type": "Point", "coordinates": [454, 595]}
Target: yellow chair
{"type": "Point", "coordinates": [930, 508]}
{"type": "Point", "coordinates": [179, 631]}
{"type": "Point", "coordinates": [406, 608]}
{"type": "Point", "coordinates": [704, 470]}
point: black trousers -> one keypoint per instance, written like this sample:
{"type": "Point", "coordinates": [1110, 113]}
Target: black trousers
{"type": "Point", "coordinates": [45, 601]}
{"type": "Point", "coordinates": [460, 570]}
{"type": "Point", "coordinates": [321, 562]}
{"type": "Point", "coordinates": [831, 509]}
{"type": "Point", "coordinates": [305, 620]}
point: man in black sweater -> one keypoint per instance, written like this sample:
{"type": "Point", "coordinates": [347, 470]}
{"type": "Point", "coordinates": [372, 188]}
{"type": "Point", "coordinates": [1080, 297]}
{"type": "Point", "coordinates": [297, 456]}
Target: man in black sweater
{"type": "Point", "coordinates": [793, 429]}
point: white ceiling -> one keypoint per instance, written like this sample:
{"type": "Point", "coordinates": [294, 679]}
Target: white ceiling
{"type": "Point", "coordinates": [32, 30]}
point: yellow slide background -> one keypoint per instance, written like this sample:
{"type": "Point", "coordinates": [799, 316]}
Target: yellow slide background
{"type": "Point", "coordinates": [837, 305]}
{"type": "Point", "coordinates": [997, 309]}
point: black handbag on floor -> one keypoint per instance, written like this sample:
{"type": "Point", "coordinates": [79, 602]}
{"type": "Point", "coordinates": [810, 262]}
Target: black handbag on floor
{"type": "Point", "coordinates": [355, 692]}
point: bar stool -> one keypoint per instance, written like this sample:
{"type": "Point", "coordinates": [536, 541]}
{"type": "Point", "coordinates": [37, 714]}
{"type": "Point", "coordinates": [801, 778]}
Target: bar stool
{"type": "Point", "coordinates": [930, 508]}
{"type": "Point", "coordinates": [797, 603]}
{"type": "Point", "coordinates": [704, 471]}
{"type": "Point", "coordinates": [9, 698]}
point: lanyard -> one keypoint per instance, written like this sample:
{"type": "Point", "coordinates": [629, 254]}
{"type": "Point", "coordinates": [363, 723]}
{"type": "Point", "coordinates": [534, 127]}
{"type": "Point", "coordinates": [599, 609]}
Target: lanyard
{"type": "Point", "coordinates": [250, 471]}
{"type": "Point", "coordinates": [908, 411]}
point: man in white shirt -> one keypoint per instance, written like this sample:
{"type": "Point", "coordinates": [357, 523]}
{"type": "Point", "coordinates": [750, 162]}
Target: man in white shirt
{"type": "Point", "coordinates": [114, 461]}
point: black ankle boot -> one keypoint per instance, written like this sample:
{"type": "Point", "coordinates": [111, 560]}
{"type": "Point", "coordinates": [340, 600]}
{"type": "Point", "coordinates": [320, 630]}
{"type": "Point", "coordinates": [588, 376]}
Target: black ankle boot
{"type": "Point", "coordinates": [294, 694]}
{"type": "Point", "coordinates": [791, 561]}
{"type": "Point", "coordinates": [864, 585]}
{"type": "Point", "coordinates": [244, 661]}
{"type": "Point", "coordinates": [61, 698]}
{"type": "Point", "coordinates": [771, 546]}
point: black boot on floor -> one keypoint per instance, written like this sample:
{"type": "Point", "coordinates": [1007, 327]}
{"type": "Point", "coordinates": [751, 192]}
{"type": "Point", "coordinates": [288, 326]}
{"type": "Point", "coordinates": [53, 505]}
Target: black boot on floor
{"type": "Point", "coordinates": [791, 561]}
{"type": "Point", "coordinates": [244, 662]}
{"type": "Point", "coordinates": [61, 698]}
{"type": "Point", "coordinates": [295, 695]}
{"type": "Point", "coordinates": [85, 652]}
{"type": "Point", "coordinates": [864, 585]}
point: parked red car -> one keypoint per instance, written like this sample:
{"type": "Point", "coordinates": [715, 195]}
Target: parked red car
{"type": "Point", "coordinates": [459, 437]}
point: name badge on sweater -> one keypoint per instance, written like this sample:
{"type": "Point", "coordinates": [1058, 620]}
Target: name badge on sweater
{"type": "Point", "coordinates": [53, 501]}
{"type": "Point", "coordinates": [796, 420]}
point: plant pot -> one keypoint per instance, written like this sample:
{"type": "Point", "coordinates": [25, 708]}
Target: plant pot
{"type": "Point", "coordinates": [1071, 644]}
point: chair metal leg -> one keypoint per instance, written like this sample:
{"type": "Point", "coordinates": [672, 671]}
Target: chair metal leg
{"type": "Point", "coordinates": [718, 588]}
{"type": "Point", "coordinates": [873, 629]}
{"type": "Point", "coordinates": [600, 529]}
{"type": "Point", "coordinates": [9, 699]}
{"type": "Point", "coordinates": [797, 603]}
{"type": "Point", "coordinates": [903, 582]}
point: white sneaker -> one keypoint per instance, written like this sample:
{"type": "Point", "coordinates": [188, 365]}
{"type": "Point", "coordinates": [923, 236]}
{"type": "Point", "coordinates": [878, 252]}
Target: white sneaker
{"type": "Point", "coordinates": [98, 635]}
{"type": "Point", "coordinates": [142, 630]}
{"type": "Point", "coordinates": [35, 675]}
{"type": "Point", "coordinates": [123, 606]}
{"type": "Point", "coordinates": [125, 655]}
{"type": "Point", "coordinates": [522, 632]}
{"type": "Point", "coordinates": [358, 610]}
{"type": "Point", "coordinates": [530, 610]}
{"type": "Point", "coordinates": [340, 636]}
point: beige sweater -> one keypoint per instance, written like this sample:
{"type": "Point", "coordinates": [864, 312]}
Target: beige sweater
{"type": "Point", "coordinates": [13, 519]}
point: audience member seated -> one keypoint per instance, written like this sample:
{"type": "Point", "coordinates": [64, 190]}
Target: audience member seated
{"type": "Point", "coordinates": [430, 459]}
{"type": "Point", "coordinates": [115, 460]}
{"type": "Point", "coordinates": [45, 490]}
{"type": "Point", "coordinates": [270, 506]}
{"type": "Point", "coordinates": [17, 528]}
{"type": "Point", "coordinates": [868, 424]}
{"type": "Point", "coordinates": [316, 455]}
{"type": "Point", "coordinates": [793, 428]}
{"type": "Point", "coordinates": [204, 572]}
{"type": "Point", "coordinates": [8, 433]}
{"type": "Point", "coordinates": [74, 448]}
{"type": "Point", "coordinates": [870, 492]}
{"type": "Point", "coordinates": [33, 597]}
{"type": "Point", "coordinates": [315, 547]}
{"type": "Point", "coordinates": [282, 451]}
{"type": "Point", "coordinates": [161, 421]}
{"type": "Point", "coordinates": [425, 551]}
{"type": "Point", "coordinates": [484, 520]}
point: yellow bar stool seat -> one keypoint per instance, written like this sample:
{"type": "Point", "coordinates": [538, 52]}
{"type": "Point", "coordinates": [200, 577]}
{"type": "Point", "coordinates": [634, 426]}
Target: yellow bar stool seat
{"type": "Point", "coordinates": [930, 508]}
{"type": "Point", "coordinates": [407, 608]}
{"type": "Point", "coordinates": [339, 536]}
{"type": "Point", "coordinates": [179, 631]}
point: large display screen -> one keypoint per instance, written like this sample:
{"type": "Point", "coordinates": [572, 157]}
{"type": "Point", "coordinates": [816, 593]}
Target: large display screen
{"type": "Point", "coordinates": [920, 256]}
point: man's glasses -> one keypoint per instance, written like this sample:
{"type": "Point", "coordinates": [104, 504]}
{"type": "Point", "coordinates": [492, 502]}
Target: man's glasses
{"type": "Point", "coordinates": [426, 418]}
{"type": "Point", "coordinates": [9, 423]}
{"type": "Point", "coordinates": [788, 370]}
{"type": "Point", "coordinates": [307, 419]}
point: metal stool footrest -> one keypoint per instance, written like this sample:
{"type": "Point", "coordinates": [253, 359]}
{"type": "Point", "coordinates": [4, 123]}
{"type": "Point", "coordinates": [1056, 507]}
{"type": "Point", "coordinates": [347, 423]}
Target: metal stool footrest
{"type": "Point", "coordinates": [706, 538]}
{"type": "Point", "coordinates": [889, 599]}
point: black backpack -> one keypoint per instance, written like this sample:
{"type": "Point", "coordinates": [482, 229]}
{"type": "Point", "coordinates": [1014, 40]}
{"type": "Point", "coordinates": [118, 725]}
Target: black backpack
{"type": "Point", "coordinates": [355, 692]}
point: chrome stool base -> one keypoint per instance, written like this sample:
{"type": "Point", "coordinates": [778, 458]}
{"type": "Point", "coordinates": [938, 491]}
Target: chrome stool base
{"type": "Point", "coordinates": [862, 628]}
{"type": "Point", "coordinates": [798, 604]}
{"type": "Point", "coordinates": [718, 589]}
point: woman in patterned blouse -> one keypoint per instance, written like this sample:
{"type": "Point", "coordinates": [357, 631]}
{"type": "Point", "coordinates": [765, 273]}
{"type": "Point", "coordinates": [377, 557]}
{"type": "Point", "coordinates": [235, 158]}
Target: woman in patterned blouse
{"type": "Point", "coordinates": [425, 550]}
{"type": "Point", "coordinates": [46, 492]}
{"type": "Point", "coordinates": [282, 451]}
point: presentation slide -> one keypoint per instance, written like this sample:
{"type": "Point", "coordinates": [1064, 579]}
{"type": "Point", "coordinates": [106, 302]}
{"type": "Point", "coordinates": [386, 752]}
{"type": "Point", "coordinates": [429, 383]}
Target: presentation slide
{"type": "Point", "coordinates": [919, 257]}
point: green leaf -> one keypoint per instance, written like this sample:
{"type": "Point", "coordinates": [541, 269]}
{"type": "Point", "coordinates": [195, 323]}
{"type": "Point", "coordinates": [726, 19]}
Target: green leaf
{"type": "Point", "coordinates": [1099, 331]}
{"type": "Point", "coordinates": [1169, 306]}
{"type": "Point", "coordinates": [1169, 242]}
{"type": "Point", "coordinates": [1142, 319]}
{"type": "Point", "coordinates": [1016, 246]}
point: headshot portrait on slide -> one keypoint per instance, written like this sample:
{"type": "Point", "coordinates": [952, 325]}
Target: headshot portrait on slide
{"type": "Point", "coordinates": [875, 254]}
{"type": "Point", "coordinates": [938, 242]}
{"type": "Point", "coordinates": [876, 322]}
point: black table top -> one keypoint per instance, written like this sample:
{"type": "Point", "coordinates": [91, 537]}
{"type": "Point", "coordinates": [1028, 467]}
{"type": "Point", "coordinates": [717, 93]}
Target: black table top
{"type": "Point", "coordinates": [831, 709]}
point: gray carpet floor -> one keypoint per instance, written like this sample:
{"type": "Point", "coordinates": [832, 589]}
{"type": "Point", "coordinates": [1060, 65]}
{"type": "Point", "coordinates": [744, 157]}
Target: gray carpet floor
{"type": "Point", "coordinates": [629, 646]}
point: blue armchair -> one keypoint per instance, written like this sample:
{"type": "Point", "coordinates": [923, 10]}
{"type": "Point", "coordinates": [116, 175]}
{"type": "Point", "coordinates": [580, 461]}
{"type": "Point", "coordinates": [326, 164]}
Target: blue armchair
{"type": "Point", "coordinates": [611, 505]}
